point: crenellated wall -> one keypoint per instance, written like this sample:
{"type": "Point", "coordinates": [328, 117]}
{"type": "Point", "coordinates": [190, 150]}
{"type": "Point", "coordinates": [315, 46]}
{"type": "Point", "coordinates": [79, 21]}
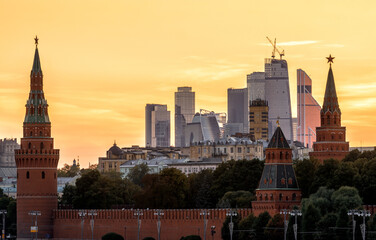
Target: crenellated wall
{"type": "Point", "coordinates": [175, 223]}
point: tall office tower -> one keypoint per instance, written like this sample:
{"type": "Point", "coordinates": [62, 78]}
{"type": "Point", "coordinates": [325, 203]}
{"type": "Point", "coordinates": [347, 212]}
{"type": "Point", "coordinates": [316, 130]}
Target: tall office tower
{"type": "Point", "coordinates": [258, 119]}
{"type": "Point", "coordinates": [308, 110]}
{"type": "Point", "coordinates": [237, 107]}
{"type": "Point", "coordinates": [256, 86]}
{"type": "Point", "coordinates": [277, 94]}
{"type": "Point", "coordinates": [36, 162]}
{"type": "Point", "coordinates": [184, 112]}
{"type": "Point", "coordinates": [157, 125]}
{"type": "Point", "coordinates": [330, 136]}
{"type": "Point", "coordinates": [295, 128]}
{"type": "Point", "coordinates": [7, 147]}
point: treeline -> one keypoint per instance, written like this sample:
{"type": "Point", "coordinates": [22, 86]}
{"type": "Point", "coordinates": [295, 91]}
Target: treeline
{"type": "Point", "coordinates": [232, 184]}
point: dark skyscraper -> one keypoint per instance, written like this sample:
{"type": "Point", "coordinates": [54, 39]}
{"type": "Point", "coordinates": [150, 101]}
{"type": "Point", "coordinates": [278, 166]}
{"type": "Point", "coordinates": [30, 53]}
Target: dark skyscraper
{"type": "Point", "coordinates": [184, 112]}
{"type": "Point", "coordinates": [237, 108]}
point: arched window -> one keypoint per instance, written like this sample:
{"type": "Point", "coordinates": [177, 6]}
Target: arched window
{"type": "Point", "coordinates": [27, 174]}
{"type": "Point", "coordinates": [40, 133]}
{"type": "Point", "coordinates": [271, 197]}
{"type": "Point", "coordinates": [287, 198]}
{"type": "Point", "coordinates": [29, 145]}
{"type": "Point", "coordinates": [41, 145]}
{"type": "Point", "coordinates": [43, 175]}
{"type": "Point", "coordinates": [266, 197]}
{"type": "Point", "coordinates": [294, 196]}
{"type": "Point", "coordinates": [280, 196]}
{"type": "Point", "coordinates": [31, 133]}
{"type": "Point", "coordinates": [260, 197]}
{"type": "Point", "coordinates": [272, 155]}
{"type": "Point", "coordinates": [287, 155]}
{"type": "Point", "coordinates": [280, 155]}
{"type": "Point", "coordinates": [328, 119]}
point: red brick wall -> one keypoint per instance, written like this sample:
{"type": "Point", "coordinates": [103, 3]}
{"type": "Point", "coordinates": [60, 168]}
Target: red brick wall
{"type": "Point", "coordinates": [174, 224]}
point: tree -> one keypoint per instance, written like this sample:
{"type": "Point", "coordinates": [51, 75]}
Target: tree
{"type": "Point", "coordinates": [346, 197]}
{"type": "Point", "coordinates": [68, 171]}
{"type": "Point", "coordinates": [165, 190]}
{"type": "Point", "coordinates": [311, 215]}
{"type": "Point", "coordinates": [305, 172]}
{"type": "Point", "coordinates": [323, 175]}
{"type": "Point", "coordinates": [260, 223]}
{"type": "Point", "coordinates": [236, 199]}
{"type": "Point", "coordinates": [246, 224]}
{"type": "Point", "coordinates": [344, 175]}
{"type": "Point", "coordinates": [236, 175]}
{"type": "Point", "coordinates": [273, 230]}
{"type": "Point", "coordinates": [137, 173]}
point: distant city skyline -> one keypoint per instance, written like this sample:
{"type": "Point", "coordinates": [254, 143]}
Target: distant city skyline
{"type": "Point", "coordinates": [104, 62]}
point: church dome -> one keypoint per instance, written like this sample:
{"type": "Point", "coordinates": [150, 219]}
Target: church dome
{"type": "Point", "coordinates": [115, 150]}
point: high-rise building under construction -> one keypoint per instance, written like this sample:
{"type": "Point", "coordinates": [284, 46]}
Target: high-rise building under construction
{"type": "Point", "coordinates": [277, 94]}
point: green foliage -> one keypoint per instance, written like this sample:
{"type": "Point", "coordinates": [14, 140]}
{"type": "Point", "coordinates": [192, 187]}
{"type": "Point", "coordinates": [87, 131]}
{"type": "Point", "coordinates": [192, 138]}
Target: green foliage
{"type": "Point", "coordinates": [237, 199]}
{"type": "Point", "coordinates": [68, 171]}
{"type": "Point", "coordinates": [165, 190]}
{"type": "Point", "coordinates": [137, 173]}
{"type": "Point", "coordinates": [260, 223]}
{"type": "Point", "coordinates": [191, 237]}
{"type": "Point", "coordinates": [10, 204]}
{"type": "Point", "coordinates": [346, 197]}
{"type": "Point", "coordinates": [236, 175]}
{"type": "Point", "coordinates": [112, 236]}
{"type": "Point", "coordinates": [246, 224]}
{"type": "Point", "coordinates": [305, 172]}
{"type": "Point", "coordinates": [273, 229]}
{"type": "Point", "coordinates": [199, 194]}
{"type": "Point", "coordinates": [97, 191]}
{"type": "Point", "coordinates": [311, 215]}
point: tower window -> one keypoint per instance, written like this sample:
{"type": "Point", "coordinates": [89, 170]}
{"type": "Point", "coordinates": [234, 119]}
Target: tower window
{"type": "Point", "coordinates": [328, 120]}
{"type": "Point", "coordinates": [41, 145]}
{"type": "Point", "coordinates": [43, 175]}
{"type": "Point", "coordinates": [294, 196]}
{"type": "Point", "coordinates": [40, 133]}
{"type": "Point", "coordinates": [29, 145]}
{"type": "Point", "coordinates": [31, 133]}
{"type": "Point", "coordinates": [27, 174]}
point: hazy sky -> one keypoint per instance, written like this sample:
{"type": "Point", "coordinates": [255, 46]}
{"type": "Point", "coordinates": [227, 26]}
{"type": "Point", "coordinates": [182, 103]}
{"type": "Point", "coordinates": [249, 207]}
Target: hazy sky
{"type": "Point", "coordinates": [104, 60]}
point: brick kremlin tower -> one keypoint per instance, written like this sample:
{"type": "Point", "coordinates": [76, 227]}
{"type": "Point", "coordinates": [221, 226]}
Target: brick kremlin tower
{"type": "Point", "coordinates": [36, 162]}
{"type": "Point", "coordinates": [278, 188]}
{"type": "Point", "coordinates": [330, 136]}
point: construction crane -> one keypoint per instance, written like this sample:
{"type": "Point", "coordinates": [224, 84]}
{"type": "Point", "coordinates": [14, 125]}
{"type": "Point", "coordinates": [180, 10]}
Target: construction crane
{"type": "Point", "coordinates": [281, 53]}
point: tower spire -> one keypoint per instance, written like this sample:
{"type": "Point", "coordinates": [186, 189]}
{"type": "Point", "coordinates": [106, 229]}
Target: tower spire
{"type": "Point", "coordinates": [330, 98]}
{"type": "Point", "coordinates": [36, 64]}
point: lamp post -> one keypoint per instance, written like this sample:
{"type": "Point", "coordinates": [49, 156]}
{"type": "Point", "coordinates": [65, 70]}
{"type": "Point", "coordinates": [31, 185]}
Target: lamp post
{"type": "Point", "coordinates": [212, 231]}
{"type": "Point", "coordinates": [231, 213]}
{"type": "Point", "coordinates": [159, 213]}
{"type": "Point", "coordinates": [3, 212]}
{"type": "Point", "coordinates": [36, 214]}
{"type": "Point", "coordinates": [364, 214]}
{"type": "Point", "coordinates": [285, 222]}
{"type": "Point", "coordinates": [138, 213]}
{"type": "Point", "coordinates": [82, 214]}
{"type": "Point", "coordinates": [92, 213]}
{"type": "Point", "coordinates": [352, 213]}
{"type": "Point", "coordinates": [296, 213]}
{"type": "Point", "coordinates": [205, 213]}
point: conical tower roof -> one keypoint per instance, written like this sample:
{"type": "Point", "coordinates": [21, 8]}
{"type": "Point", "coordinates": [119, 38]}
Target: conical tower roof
{"type": "Point", "coordinates": [330, 98]}
{"type": "Point", "coordinates": [278, 140]}
{"type": "Point", "coordinates": [36, 64]}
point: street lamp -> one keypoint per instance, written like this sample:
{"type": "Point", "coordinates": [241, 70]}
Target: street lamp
{"type": "Point", "coordinates": [352, 213]}
{"type": "Point", "coordinates": [92, 213]}
{"type": "Point", "coordinates": [285, 222]}
{"type": "Point", "coordinates": [138, 213]}
{"type": "Point", "coordinates": [364, 214]}
{"type": "Point", "coordinates": [212, 231]}
{"type": "Point", "coordinates": [82, 214]}
{"type": "Point", "coordinates": [35, 228]}
{"type": "Point", "coordinates": [159, 213]}
{"type": "Point", "coordinates": [205, 213]}
{"type": "Point", "coordinates": [296, 213]}
{"type": "Point", "coordinates": [231, 213]}
{"type": "Point", "coordinates": [3, 212]}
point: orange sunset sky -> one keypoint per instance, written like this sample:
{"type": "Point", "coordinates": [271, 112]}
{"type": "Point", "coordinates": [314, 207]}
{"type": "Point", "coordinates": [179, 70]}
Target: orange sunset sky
{"type": "Point", "coordinates": [104, 60]}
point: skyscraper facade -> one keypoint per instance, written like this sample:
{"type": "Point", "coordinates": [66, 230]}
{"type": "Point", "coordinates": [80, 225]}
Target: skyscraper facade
{"type": "Point", "coordinates": [331, 136]}
{"type": "Point", "coordinates": [36, 162]}
{"type": "Point", "coordinates": [256, 86]}
{"type": "Point", "coordinates": [157, 125]}
{"type": "Point", "coordinates": [258, 119]}
{"type": "Point", "coordinates": [184, 112]}
{"type": "Point", "coordinates": [277, 94]}
{"type": "Point", "coordinates": [308, 110]}
{"type": "Point", "coordinates": [237, 107]}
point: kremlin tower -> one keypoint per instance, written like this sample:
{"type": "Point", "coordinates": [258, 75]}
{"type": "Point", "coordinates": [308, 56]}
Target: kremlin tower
{"type": "Point", "coordinates": [37, 162]}
{"type": "Point", "coordinates": [278, 188]}
{"type": "Point", "coordinates": [330, 136]}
